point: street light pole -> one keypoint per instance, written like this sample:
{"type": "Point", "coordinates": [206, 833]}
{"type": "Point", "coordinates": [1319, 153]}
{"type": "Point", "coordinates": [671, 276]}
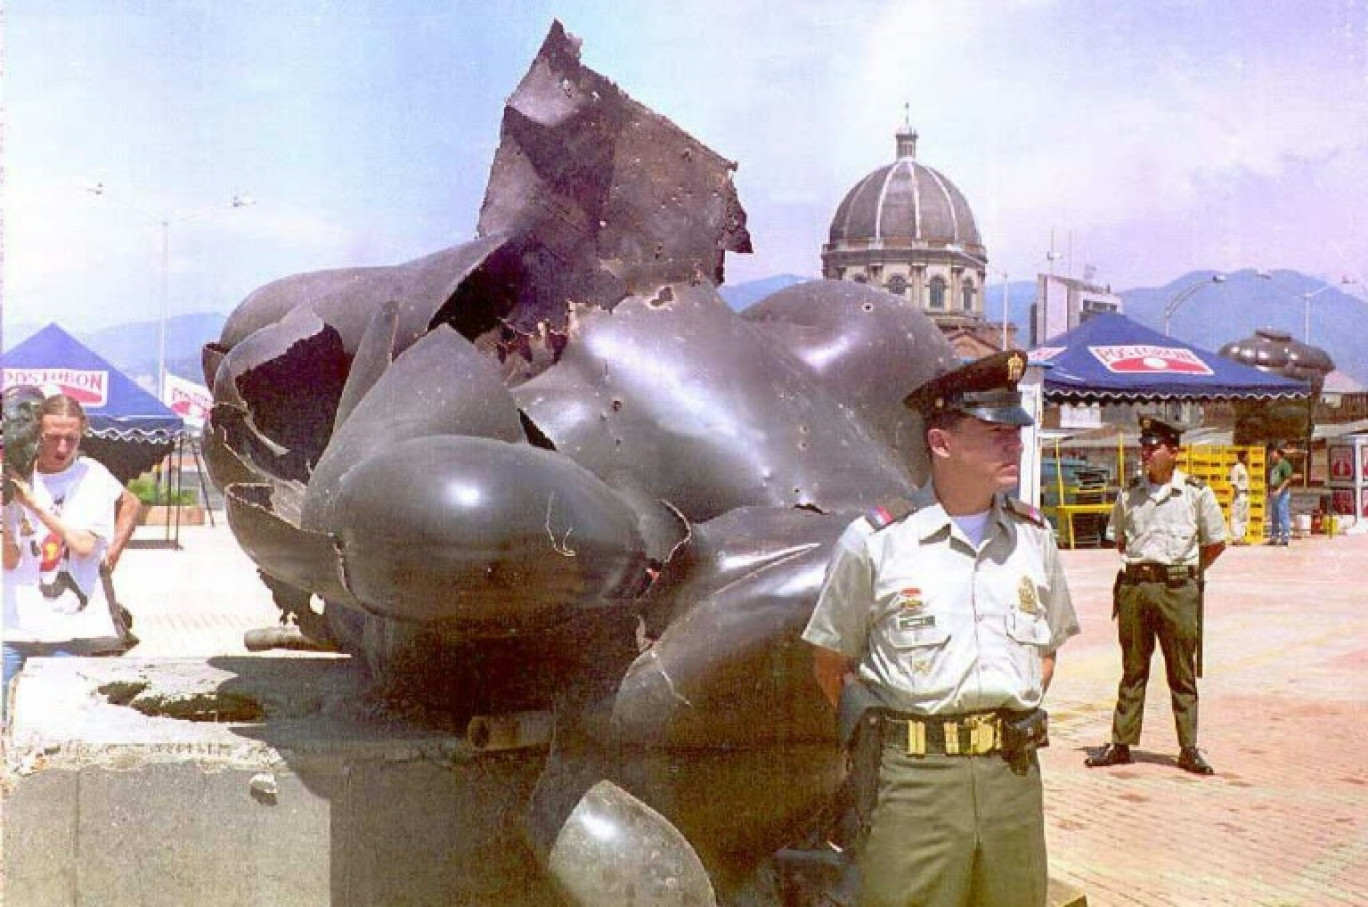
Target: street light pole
{"type": "Point", "coordinates": [1183, 296]}
{"type": "Point", "coordinates": [1006, 305]}
{"type": "Point", "coordinates": [1306, 306]}
{"type": "Point", "coordinates": [164, 223]}
{"type": "Point", "coordinates": [165, 306]}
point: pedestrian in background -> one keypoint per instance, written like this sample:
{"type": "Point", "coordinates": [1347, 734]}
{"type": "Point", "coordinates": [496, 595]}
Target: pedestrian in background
{"type": "Point", "coordinates": [1169, 530]}
{"type": "Point", "coordinates": [1280, 494]}
{"type": "Point", "coordinates": [946, 610]}
{"type": "Point", "coordinates": [1239, 500]}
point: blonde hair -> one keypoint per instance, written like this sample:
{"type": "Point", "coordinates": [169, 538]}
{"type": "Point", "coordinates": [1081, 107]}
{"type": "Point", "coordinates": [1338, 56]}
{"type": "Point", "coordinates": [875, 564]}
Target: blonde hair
{"type": "Point", "coordinates": [63, 405]}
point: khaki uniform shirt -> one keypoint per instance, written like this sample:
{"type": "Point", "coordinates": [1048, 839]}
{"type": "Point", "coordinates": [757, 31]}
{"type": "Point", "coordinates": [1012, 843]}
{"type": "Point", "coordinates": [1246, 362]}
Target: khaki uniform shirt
{"type": "Point", "coordinates": [937, 627]}
{"type": "Point", "coordinates": [1168, 524]}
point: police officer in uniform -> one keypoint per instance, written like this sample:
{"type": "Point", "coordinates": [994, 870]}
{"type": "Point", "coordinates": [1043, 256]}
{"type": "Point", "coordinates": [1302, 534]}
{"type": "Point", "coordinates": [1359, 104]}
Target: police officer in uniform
{"type": "Point", "coordinates": [1168, 529]}
{"type": "Point", "coordinates": [947, 609]}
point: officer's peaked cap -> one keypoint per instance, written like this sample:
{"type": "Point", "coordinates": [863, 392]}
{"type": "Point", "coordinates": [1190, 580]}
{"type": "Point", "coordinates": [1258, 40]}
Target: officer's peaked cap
{"type": "Point", "coordinates": [1156, 431]}
{"type": "Point", "coordinates": [985, 389]}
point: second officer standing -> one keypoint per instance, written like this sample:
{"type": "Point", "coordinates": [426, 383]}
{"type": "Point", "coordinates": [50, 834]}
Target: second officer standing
{"type": "Point", "coordinates": [1169, 530]}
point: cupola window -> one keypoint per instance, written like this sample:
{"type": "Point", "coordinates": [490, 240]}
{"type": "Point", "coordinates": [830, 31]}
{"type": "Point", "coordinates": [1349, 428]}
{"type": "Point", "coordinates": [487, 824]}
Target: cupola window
{"type": "Point", "coordinates": [938, 293]}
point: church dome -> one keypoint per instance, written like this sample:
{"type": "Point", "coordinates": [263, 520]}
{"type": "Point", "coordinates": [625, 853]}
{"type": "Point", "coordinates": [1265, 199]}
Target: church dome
{"type": "Point", "coordinates": [905, 204]}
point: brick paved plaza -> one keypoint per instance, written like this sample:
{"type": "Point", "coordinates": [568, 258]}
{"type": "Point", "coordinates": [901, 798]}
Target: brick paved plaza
{"type": "Point", "coordinates": [1284, 720]}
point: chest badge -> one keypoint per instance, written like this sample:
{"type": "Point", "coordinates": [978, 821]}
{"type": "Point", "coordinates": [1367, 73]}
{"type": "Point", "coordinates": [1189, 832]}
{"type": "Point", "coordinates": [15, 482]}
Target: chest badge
{"type": "Point", "coordinates": [910, 600]}
{"type": "Point", "coordinates": [1026, 596]}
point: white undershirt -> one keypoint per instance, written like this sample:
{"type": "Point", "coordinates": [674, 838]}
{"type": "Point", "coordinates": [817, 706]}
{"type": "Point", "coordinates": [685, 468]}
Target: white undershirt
{"type": "Point", "coordinates": [973, 525]}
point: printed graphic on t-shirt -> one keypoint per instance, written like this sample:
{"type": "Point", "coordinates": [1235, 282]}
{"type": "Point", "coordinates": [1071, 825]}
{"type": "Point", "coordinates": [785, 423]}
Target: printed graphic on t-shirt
{"type": "Point", "coordinates": [54, 579]}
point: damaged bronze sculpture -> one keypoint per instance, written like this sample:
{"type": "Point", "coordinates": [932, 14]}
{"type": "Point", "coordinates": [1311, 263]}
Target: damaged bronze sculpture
{"type": "Point", "coordinates": [550, 472]}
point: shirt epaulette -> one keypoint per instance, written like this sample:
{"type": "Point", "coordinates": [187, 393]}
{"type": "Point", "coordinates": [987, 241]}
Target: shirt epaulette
{"type": "Point", "coordinates": [886, 513]}
{"type": "Point", "coordinates": [1024, 510]}
{"type": "Point", "coordinates": [1195, 482]}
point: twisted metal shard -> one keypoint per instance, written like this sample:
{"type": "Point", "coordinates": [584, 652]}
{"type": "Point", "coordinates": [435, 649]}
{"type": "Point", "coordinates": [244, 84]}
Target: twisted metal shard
{"type": "Point", "coordinates": [550, 470]}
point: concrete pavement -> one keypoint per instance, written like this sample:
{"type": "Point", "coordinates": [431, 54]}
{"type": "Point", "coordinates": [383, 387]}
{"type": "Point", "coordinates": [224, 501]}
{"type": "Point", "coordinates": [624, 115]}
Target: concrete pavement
{"type": "Point", "coordinates": [193, 601]}
{"type": "Point", "coordinates": [1284, 719]}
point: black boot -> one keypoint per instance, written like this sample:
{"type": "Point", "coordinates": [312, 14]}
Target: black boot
{"type": "Point", "coordinates": [1190, 760]}
{"type": "Point", "coordinates": [1111, 754]}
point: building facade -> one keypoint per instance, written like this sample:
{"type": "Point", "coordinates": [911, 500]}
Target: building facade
{"type": "Point", "coordinates": [1063, 303]}
{"type": "Point", "coordinates": [907, 229]}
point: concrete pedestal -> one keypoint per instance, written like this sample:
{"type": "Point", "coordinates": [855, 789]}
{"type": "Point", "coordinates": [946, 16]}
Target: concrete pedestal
{"type": "Point", "coordinates": [258, 782]}
{"type": "Point", "coordinates": [113, 802]}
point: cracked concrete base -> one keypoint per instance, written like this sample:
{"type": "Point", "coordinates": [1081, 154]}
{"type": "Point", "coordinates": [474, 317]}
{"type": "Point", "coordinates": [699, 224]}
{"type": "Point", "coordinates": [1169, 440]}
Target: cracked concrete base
{"type": "Point", "coordinates": [250, 781]}
{"type": "Point", "coordinates": [261, 781]}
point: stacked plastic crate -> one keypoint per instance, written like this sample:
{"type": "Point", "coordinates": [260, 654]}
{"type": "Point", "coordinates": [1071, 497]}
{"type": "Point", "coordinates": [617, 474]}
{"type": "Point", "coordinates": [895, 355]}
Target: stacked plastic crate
{"type": "Point", "coordinates": [1211, 463]}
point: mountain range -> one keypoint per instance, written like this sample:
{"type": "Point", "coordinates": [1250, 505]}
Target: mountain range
{"type": "Point", "coordinates": [1215, 308]}
{"type": "Point", "coordinates": [1211, 313]}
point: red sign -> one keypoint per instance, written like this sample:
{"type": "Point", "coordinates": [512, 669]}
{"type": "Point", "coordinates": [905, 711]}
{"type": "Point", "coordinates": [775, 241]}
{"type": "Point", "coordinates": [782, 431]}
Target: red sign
{"type": "Point", "coordinates": [1341, 463]}
{"type": "Point", "coordinates": [188, 400]}
{"type": "Point", "coordinates": [89, 388]}
{"type": "Point", "coordinates": [1146, 359]}
{"type": "Point", "coordinates": [185, 405]}
{"type": "Point", "coordinates": [1342, 501]}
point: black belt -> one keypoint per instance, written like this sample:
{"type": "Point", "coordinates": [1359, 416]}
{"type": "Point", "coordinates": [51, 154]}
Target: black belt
{"type": "Point", "coordinates": [962, 734]}
{"type": "Point", "coordinates": [1158, 573]}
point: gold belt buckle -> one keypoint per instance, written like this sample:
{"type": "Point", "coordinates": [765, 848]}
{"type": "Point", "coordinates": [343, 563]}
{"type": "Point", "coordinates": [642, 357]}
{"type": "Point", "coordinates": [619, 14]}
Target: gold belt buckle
{"type": "Point", "coordinates": [983, 730]}
{"type": "Point", "coordinates": [916, 738]}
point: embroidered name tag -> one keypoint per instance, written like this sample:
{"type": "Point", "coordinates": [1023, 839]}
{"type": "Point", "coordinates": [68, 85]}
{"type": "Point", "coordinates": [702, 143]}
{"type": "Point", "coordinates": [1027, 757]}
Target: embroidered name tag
{"type": "Point", "coordinates": [916, 621]}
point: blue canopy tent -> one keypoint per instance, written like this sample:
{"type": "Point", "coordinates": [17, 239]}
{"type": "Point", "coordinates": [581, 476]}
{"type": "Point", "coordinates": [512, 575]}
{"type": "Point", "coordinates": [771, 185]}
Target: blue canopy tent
{"type": "Point", "coordinates": [1112, 359]}
{"type": "Point", "coordinates": [130, 429]}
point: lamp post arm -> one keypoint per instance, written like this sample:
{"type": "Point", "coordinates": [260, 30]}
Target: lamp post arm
{"type": "Point", "coordinates": [1175, 302]}
{"type": "Point", "coordinates": [1184, 295]}
{"type": "Point", "coordinates": [1306, 306]}
{"type": "Point", "coordinates": [164, 224]}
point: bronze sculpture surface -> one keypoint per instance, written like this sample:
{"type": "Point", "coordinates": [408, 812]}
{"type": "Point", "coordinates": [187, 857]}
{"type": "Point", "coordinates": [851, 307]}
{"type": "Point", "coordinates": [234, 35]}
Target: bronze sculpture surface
{"type": "Point", "coordinates": [551, 471]}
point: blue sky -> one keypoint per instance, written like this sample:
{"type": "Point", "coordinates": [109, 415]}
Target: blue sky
{"type": "Point", "coordinates": [1148, 139]}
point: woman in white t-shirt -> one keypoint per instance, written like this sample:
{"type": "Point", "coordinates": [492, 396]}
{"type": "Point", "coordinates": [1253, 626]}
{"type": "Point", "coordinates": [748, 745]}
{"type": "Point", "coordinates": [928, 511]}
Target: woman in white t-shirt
{"type": "Point", "coordinates": [56, 530]}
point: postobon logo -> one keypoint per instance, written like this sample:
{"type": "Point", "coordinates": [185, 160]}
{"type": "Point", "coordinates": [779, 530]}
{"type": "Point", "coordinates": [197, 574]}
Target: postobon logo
{"type": "Point", "coordinates": [1149, 360]}
{"type": "Point", "coordinates": [90, 388]}
{"type": "Point", "coordinates": [187, 404]}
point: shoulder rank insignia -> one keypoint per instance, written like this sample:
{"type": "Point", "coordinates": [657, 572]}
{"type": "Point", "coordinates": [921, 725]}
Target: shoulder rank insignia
{"type": "Point", "coordinates": [1025, 511]}
{"type": "Point", "coordinates": [1195, 482]}
{"type": "Point", "coordinates": [886, 513]}
{"type": "Point", "coordinates": [1137, 481]}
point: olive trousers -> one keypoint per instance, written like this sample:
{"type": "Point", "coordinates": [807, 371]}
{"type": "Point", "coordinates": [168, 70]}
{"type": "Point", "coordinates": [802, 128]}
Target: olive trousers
{"type": "Point", "coordinates": [954, 831]}
{"type": "Point", "coordinates": [1147, 613]}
